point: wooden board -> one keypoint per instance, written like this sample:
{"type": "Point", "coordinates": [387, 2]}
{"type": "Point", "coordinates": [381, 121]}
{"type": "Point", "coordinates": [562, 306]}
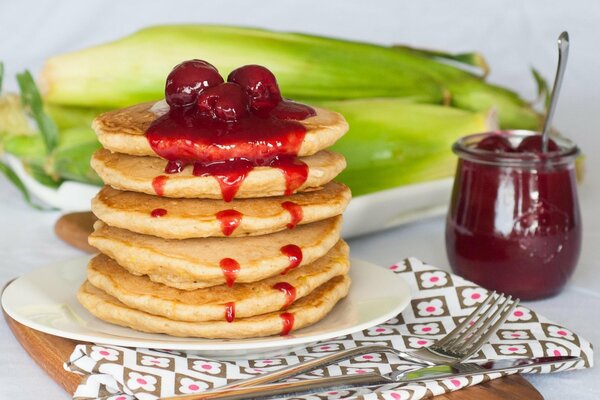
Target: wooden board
{"type": "Point", "coordinates": [50, 352]}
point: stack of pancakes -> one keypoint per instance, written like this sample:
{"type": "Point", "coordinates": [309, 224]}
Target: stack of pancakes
{"type": "Point", "coordinates": [177, 259]}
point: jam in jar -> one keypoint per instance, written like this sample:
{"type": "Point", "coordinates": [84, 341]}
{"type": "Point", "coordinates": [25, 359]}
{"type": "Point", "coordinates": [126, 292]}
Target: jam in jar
{"type": "Point", "coordinates": [514, 223]}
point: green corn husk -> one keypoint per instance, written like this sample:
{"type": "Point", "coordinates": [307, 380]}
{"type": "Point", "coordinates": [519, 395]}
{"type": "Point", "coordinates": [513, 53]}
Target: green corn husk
{"type": "Point", "coordinates": [133, 70]}
{"type": "Point", "coordinates": [393, 143]}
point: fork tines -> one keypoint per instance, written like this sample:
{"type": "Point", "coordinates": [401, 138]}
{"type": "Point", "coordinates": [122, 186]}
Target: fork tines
{"type": "Point", "coordinates": [475, 330]}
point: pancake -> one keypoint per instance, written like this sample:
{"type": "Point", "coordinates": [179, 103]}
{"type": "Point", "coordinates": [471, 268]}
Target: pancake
{"type": "Point", "coordinates": [136, 174]}
{"type": "Point", "coordinates": [209, 304]}
{"type": "Point", "coordinates": [195, 263]}
{"type": "Point", "coordinates": [306, 311]}
{"type": "Point", "coordinates": [193, 218]}
{"type": "Point", "coordinates": [123, 131]}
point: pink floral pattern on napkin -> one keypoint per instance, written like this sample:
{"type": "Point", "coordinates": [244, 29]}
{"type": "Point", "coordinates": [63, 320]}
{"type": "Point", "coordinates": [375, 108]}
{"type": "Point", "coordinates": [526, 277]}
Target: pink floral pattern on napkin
{"type": "Point", "coordinates": [440, 300]}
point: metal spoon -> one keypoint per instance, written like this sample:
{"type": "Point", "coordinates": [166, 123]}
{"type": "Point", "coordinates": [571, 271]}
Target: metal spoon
{"type": "Point", "coordinates": [563, 54]}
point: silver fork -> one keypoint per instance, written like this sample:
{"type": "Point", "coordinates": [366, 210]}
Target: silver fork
{"type": "Point", "coordinates": [458, 345]}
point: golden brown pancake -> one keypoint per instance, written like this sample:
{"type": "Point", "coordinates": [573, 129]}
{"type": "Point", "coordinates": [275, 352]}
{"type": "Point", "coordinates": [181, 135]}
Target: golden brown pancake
{"type": "Point", "coordinates": [123, 131]}
{"type": "Point", "coordinates": [136, 174]}
{"type": "Point", "coordinates": [196, 263]}
{"type": "Point", "coordinates": [210, 304]}
{"type": "Point", "coordinates": [190, 218]}
{"type": "Point", "coordinates": [306, 311]}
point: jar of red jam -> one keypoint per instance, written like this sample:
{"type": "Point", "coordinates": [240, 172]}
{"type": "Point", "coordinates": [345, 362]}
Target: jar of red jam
{"type": "Point", "coordinates": [514, 223]}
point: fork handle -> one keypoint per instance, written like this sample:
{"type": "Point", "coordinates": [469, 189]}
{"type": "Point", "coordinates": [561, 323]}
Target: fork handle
{"type": "Point", "coordinates": [307, 366]}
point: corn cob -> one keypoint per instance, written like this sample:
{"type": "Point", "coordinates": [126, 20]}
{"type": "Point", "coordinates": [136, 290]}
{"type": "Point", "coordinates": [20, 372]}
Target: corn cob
{"type": "Point", "coordinates": [133, 70]}
{"type": "Point", "coordinates": [393, 143]}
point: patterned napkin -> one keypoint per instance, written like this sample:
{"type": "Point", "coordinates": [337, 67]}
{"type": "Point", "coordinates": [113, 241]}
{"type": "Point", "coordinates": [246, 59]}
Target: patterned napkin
{"type": "Point", "coordinates": [440, 301]}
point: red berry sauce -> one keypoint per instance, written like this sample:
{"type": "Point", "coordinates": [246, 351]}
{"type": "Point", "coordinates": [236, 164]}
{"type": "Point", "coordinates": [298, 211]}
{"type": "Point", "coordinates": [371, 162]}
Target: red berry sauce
{"type": "Point", "coordinates": [296, 213]}
{"type": "Point", "coordinates": [294, 254]}
{"type": "Point", "coordinates": [230, 269]}
{"type": "Point", "coordinates": [230, 220]}
{"type": "Point", "coordinates": [158, 184]}
{"type": "Point", "coordinates": [158, 212]}
{"type": "Point", "coordinates": [287, 320]}
{"type": "Point", "coordinates": [230, 311]}
{"type": "Point", "coordinates": [232, 127]}
{"type": "Point", "coordinates": [288, 290]}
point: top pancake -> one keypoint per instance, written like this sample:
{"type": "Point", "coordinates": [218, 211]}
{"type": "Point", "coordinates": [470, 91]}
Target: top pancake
{"type": "Point", "coordinates": [123, 131]}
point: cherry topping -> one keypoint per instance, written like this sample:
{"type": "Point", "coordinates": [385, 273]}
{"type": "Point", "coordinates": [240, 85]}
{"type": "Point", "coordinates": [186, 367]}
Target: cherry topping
{"type": "Point", "coordinates": [260, 85]}
{"type": "Point", "coordinates": [187, 80]}
{"type": "Point", "coordinates": [226, 102]}
{"type": "Point", "coordinates": [533, 144]}
{"type": "Point", "coordinates": [496, 143]}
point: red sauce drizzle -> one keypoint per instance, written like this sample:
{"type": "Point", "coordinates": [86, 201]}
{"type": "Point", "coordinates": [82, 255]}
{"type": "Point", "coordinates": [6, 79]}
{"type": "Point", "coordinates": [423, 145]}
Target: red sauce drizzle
{"type": "Point", "coordinates": [230, 220]}
{"type": "Point", "coordinates": [288, 290]}
{"type": "Point", "coordinates": [294, 254]}
{"type": "Point", "coordinates": [174, 167]}
{"type": "Point", "coordinates": [158, 212]}
{"type": "Point", "coordinates": [287, 320]}
{"type": "Point", "coordinates": [229, 151]}
{"type": "Point", "coordinates": [230, 311]}
{"type": "Point", "coordinates": [158, 183]}
{"type": "Point", "coordinates": [230, 268]}
{"type": "Point", "coordinates": [296, 213]}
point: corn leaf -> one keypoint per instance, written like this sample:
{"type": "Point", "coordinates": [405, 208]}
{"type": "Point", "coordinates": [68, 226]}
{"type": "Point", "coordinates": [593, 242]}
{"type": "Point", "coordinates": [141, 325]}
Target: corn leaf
{"type": "Point", "coordinates": [133, 70]}
{"type": "Point", "coordinates": [30, 96]}
{"type": "Point", "coordinates": [475, 60]}
{"type": "Point", "coordinates": [12, 177]}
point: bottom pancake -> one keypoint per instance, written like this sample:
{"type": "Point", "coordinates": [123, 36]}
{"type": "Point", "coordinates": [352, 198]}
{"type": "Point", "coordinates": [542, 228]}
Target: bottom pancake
{"type": "Point", "coordinates": [217, 302]}
{"type": "Point", "coordinates": [301, 313]}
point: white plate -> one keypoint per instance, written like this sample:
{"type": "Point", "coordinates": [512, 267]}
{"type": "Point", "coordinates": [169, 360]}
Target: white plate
{"type": "Point", "coordinates": [365, 214]}
{"type": "Point", "coordinates": [45, 300]}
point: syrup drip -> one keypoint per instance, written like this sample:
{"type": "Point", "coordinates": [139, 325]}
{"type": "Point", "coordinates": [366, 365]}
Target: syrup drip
{"type": "Point", "coordinates": [288, 290]}
{"type": "Point", "coordinates": [230, 311]}
{"type": "Point", "coordinates": [294, 254]}
{"type": "Point", "coordinates": [228, 151]}
{"type": "Point", "coordinates": [294, 171]}
{"type": "Point", "coordinates": [230, 268]}
{"type": "Point", "coordinates": [158, 212]}
{"type": "Point", "coordinates": [287, 320]}
{"type": "Point", "coordinates": [174, 167]}
{"type": "Point", "coordinates": [230, 174]}
{"type": "Point", "coordinates": [230, 220]}
{"type": "Point", "coordinates": [296, 213]}
{"type": "Point", "coordinates": [158, 184]}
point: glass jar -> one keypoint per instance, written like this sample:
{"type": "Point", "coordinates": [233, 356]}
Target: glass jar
{"type": "Point", "coordinates": [514, 223]}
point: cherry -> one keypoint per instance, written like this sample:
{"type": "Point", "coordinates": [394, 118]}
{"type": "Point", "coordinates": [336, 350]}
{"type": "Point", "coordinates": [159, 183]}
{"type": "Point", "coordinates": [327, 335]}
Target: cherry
{"type": "Point", "coordinates": [495, 143]}
{"type": "Point", "coordinates": [227, 102]}
{"type": "Point", "coordinates": [259, 83]}
{"type": "Point", "coordinates": [187, 80]}
{"type": "Point", "coordinates": [533, 144]}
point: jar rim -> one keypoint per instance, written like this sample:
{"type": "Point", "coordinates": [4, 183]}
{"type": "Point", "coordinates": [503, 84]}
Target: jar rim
{"type": "Point", "coordinates": [465, 149]}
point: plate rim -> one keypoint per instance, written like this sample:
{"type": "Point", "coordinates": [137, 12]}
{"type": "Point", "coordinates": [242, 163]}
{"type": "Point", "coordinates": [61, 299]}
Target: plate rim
{"type": "Point", "coordinates": [220, 345]}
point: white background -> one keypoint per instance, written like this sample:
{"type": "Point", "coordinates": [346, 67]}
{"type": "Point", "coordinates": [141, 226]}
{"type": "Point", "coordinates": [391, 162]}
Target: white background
{"type": "Point", "coordinates": [513, 35]}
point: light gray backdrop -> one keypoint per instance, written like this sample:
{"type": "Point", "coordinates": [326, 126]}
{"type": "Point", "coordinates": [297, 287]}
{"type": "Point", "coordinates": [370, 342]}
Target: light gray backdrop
{"type": "Point", "coordinates": [513, 35]}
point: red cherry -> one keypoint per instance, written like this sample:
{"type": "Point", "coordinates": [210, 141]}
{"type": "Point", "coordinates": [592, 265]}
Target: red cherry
{"type": "Point", "coordinates": [187, 80]}
{"type": "Point", "coordinates": [533, 144]}
{"type": "Point", "coordinates": [495, 143]}
{"type": "Point", "coordinates": [259, 83]}
{"type": "Point", "coordinates": [227, 102]}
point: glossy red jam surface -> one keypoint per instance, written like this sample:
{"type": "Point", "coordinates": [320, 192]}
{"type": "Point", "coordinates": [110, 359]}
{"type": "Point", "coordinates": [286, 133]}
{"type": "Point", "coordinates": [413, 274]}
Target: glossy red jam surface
{"type": "Point", "coordinates": [514, 222]}
{"type": "Point", "coordinates": [288, 290]}
{"type": "Point", "coordinates": [294, 254]}
{"type": "Point", "coordinates": [230, 128]}
{"type": "Point", "coordinates": [230, 268]}
{"type": "Point", "coordinates": [296, 213]}
{"type": "Point", "coordinates": [230, 220]}
{"type": "Point", "coordinates": [158, 212]}
{"type": "Point", "coordinates": [287, 323]}
{"type": "Point", "coordinates": [230, 311]}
